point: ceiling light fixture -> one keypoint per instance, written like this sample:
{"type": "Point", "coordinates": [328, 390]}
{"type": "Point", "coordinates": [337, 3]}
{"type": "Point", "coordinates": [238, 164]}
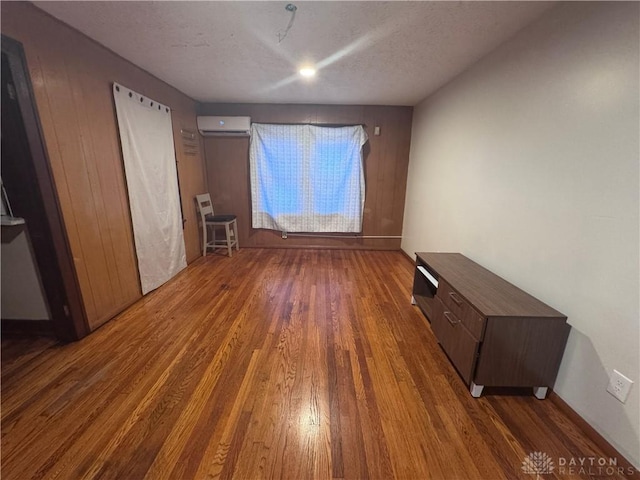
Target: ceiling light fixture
{"type": "Point", "coordinates": [307, 72]}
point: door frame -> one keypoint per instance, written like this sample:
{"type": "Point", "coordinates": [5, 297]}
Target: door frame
{"type": "Point", "coordinates": [59, 277]}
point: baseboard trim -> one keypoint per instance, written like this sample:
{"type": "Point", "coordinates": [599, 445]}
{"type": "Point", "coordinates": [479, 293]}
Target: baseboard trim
{"type": "Point", "coordinates": [31, 328]}
{"type": "Point", "coordinates": [318, 247]}
{"type": "Point", "coordinates": [591, 433]}
{"type": "Point", "coordinates": [408, 257]}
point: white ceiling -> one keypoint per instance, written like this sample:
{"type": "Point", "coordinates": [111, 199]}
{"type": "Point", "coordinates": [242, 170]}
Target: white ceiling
{"type": "Point", "coordinates": [376, 53]}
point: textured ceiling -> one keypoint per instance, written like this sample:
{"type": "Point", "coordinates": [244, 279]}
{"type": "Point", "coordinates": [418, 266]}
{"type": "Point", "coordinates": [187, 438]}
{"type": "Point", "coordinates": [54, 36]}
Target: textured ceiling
{"type": "Point", "coordinates": [378, 53]}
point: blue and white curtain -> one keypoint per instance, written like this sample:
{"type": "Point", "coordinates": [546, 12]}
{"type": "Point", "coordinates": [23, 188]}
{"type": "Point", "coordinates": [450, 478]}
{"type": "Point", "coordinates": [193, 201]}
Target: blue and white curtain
{"type": "Point", "coordinates": [306, 178]}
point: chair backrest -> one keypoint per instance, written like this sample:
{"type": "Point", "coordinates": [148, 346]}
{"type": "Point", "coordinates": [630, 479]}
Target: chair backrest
{"type": "Point", "coordinates": [205, 207]}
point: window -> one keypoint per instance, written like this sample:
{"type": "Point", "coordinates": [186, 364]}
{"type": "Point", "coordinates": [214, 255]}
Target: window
{"type": "Point", "coordinates": [306, 178]}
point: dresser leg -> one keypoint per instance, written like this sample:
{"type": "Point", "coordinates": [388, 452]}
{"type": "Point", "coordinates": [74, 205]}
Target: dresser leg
{"type": "Point", "coordinates": [476, 390]}
{"type": "Point", "coordinates": [540, 392]}
{"type": "Point", "coordinates": [413, 300]}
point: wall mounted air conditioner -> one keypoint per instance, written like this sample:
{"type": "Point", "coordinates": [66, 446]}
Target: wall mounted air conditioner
{"type": "Point", "coordinates": [224, 126]}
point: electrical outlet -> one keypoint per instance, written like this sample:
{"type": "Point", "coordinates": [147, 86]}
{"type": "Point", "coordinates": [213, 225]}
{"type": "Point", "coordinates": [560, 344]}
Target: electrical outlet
{"type": "Point", "coordinates": [619, 386]}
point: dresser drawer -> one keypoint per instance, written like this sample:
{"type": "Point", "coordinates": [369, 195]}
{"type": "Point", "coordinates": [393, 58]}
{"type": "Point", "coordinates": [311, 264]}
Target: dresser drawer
{"type": "Point", "coordinates": [459, 344]}
{"type": "Point", "coordinates": [474, 323]}
{"type": "Point", "coordinates": [456, 304]}
{"type": "Point", "coordinates": [452, 299]}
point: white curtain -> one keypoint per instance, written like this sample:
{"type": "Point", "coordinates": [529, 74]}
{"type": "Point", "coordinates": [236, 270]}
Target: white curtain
{"type": "Point", "coordinates": [306, 178]}
{"type": "Point", "coordinates": [146, 136]}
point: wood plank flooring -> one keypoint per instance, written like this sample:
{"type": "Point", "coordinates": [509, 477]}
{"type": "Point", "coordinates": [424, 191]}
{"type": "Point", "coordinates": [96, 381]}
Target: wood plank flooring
{"type": "Point", "coordinates": [271, 364]}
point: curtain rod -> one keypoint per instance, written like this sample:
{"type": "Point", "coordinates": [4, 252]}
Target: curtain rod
{"type": "Point", "coordinates": [286, 234]}
{"type": "Point", "coordinates": [316, 124]}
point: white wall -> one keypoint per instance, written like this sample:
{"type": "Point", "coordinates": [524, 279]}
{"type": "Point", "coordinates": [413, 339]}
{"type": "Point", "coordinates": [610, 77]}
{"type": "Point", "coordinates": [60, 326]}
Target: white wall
{"type": "Point", "coordinates": [22, 293]}
{"type": "Point", "coordinates": [528, 163]}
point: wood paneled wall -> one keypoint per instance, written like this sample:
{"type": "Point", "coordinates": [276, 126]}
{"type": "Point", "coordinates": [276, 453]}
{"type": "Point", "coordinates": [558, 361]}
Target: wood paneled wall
{"type": "Point", "coordinates": [386, 159]}
{"type": "Point", "coordinates": [72, 78]}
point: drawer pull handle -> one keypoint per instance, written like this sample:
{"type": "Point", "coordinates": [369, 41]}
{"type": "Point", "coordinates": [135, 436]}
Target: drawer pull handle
{"type": "Point", "coordinates": [455, 298]}
{"type": "Point", "coordinates": [450, 319]}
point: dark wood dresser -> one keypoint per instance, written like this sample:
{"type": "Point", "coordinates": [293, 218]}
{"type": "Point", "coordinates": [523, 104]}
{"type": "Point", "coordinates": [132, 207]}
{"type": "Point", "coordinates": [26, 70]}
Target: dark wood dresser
{"type": "Point", "coordinates": [494, 333]}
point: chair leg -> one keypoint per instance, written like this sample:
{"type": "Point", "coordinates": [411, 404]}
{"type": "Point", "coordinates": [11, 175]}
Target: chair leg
{"type": "Point", "coordinates": [226, 228]}
{"type": "Point", "coordinates": [235, 234]}
{"type": "Point", "coordinates": [204, 239]}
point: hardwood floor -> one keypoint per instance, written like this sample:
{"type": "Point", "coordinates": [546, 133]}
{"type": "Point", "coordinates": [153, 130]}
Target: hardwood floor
{"type": "Point", "coordinates": [271, 364]}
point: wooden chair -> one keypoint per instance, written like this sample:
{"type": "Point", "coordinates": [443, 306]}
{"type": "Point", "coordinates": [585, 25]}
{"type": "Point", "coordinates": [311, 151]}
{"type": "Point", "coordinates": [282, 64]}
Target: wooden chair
{"type": "Point", "coordinates": [209, 219]}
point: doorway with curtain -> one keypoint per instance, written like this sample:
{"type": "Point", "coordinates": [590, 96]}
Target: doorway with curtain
{"type": "Point", "coordinates": [148, 152]}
